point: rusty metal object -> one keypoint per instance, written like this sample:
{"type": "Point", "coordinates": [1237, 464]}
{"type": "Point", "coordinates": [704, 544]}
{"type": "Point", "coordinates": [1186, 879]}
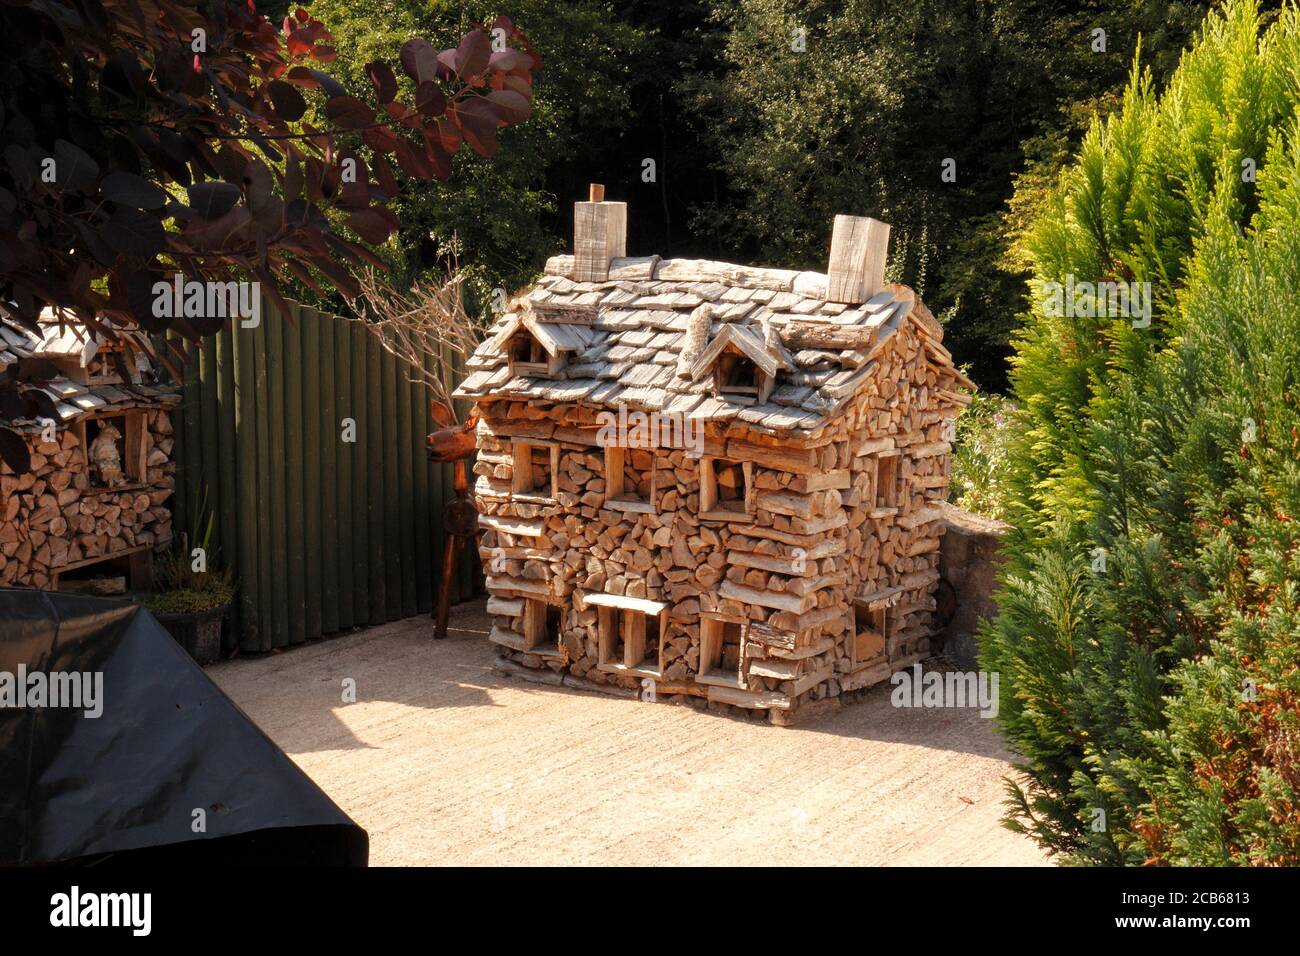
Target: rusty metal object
{"type": "Point", "coordinates": [453, 443]}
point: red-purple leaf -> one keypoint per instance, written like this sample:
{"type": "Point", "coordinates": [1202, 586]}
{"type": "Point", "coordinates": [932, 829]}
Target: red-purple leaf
{"type": "Point", "coordinates": [331, 86]}
{"type": "Point", "coordinates": [383, 80]}
{"type": "Point", "coordinates": [355, 251]}
{"type": "Point", "coordinates": [438, 157]}
{"type": "Point", "coordinates": [349, 112]}
{"type": "Point", "coordinates": [384, 175]}
{"type": "Point", "coordinates": [473, 54]}
{"type": "Point", "coordinates": [477, 119]}
{"type": "Point", "coordinates": [288, 102]}
{"type": "Point", "coordinates": [430, 100]}
{"type": "Point", "coordinates": [374, 224]}
{"type": "Point", "coordinates": [413, 162]}
{"type": "Point", "coordinates": [293, 180]}
{"type": "Point", "coordinates": [94, 243]}
{"type": "Point", "coordinates": [298, 43]}
{"type": "Point", "coordinates": [74, 169]}
{"type": "Point", "coordinates": [212, 200]}
{"type": "Point", "coordinates": [509, 60]}
{"type": "Point", "coordinates": [519, 84]}
{"type": "Point", "coordinates": [404, 115]}
{"type": "Point", "coordinates": [134, 233]}
{"type": "Point", "coordinates": [128, 189]}
{"type": "Point", "coordinates": [342, 279]}
{"type": "Point", "coordinates": [215, 234]}
{"type": "Point", "coordinates": [419, 60]}
{"type": "Point", "coordinates": [303, 77]}
{"type": "Point", "coordinates": [512, 107]}
{"type": "Point", "coordinates": [380, 138]}
{"type": "Point", "coordinates": [448, 135]}
{"type": "Point", "coordinates": [257, 184]}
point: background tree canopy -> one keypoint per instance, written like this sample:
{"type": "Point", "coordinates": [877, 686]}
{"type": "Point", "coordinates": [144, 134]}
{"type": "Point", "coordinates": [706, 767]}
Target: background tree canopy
{"type": "Point", "coordinates": [758, 144]}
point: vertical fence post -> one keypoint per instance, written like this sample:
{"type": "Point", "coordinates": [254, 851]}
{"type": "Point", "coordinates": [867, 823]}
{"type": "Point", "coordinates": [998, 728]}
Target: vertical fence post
{"type": "Point", "coordinates": [356, 337]}
{"type": "Point", "coordinates": [265, 563]}
{"type": "Point", "coordinates": [309, 427]}
{"type": "Point", "coordinates": [295, 496]}
{"type": "Point", "coordinates": [333, 452]}
{"type": "Point", "coordinates": [405, 439]}
{"type": "Point", "coordinates": [231, 498]}
{"type": "Point", "coordinates": [373, 452]}
{"type": "Point", "coordinates": [280, 574]}
{"type": "Point", "coordinates": [245, 421]}
{"type": "Point", "coordinates": [347, 463]}
{"type": "Point", "coordinates": [421, 425]}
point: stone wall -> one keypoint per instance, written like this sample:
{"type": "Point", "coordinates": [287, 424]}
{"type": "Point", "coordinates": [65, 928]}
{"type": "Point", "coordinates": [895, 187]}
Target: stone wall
{"type": "Point", "coordinates": [968, 567]}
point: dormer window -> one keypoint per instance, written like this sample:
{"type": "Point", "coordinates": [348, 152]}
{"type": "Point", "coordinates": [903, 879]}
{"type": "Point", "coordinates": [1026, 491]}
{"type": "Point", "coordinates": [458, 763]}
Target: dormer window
{"type": "Point", "coordinates": [887, 481]}
{"type": "Point", "coordinates": [538, 349]}
{"type": "Point", "coordinates": [737, 376]}
{"type": "Point", "coordinates": [744, 367]}
{"type": "Point", "coordinates": [535, 465]}
{"type": "Point", "coordinates": [528, 356]}
{"type": "Point", "coordinates": [526, 350]}
{"type": "Point", "coordinates": [735, 373]}
{"type": "Point", "coordinates": [629, 480]}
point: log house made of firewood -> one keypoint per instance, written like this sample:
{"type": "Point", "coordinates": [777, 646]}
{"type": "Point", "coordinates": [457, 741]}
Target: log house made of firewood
{"type": "Point", "coordinates": [786, 550]}
{"type": "Point", "coordinates": [70, 522]}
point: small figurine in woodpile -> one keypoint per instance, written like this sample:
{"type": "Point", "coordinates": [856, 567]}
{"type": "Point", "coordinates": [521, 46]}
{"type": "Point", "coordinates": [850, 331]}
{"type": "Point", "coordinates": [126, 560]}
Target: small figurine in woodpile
{"type": "Point", "coordinates": [711, 480]}
{"type": "Point", "coordinates": [105, 457]}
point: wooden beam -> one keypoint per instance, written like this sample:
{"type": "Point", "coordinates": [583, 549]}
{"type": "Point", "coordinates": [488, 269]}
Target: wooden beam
{"type": "Point", "coordinates": [526, 527]}
{"type": "Point", "coordinates": [643, 605]}
{"type": "Point", "coordinates": [781, 601]}
{"type": "Point", "coordinates": [507, 607]}
{"type": "Point", "coordinates": [827, 335]}
{"type": "Point", "coordinates": [756, 700]}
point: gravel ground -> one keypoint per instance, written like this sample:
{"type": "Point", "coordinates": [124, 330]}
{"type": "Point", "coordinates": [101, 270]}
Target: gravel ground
{"type": "Point", "coordinates": [445, 761]}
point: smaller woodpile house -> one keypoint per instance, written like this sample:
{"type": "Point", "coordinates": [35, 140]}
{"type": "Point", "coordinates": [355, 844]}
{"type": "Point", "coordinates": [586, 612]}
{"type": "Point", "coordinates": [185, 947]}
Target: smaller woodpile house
{"type": "Point", "coordinates": [94, 506]}
{"type": "Point", "coordinates": [713, 480]}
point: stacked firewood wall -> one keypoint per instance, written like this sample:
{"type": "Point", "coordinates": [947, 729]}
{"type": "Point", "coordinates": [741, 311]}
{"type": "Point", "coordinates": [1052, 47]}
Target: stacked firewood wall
{"type": "Point", "coordinates": [55, 517]}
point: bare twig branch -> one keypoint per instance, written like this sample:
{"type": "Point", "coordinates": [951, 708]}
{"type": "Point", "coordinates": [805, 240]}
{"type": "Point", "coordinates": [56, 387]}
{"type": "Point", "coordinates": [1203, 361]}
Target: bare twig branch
{"type": "Point", "coordinates": [426, 324]}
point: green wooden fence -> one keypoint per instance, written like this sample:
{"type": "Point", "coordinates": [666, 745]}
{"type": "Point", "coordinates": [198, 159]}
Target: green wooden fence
{"type": "Point", "coordinates": [321, 534]}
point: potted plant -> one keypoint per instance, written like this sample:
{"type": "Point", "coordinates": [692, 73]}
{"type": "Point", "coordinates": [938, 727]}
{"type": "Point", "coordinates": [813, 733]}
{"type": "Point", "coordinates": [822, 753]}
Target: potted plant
{"type": "Point", "coordinates": [193, 597]}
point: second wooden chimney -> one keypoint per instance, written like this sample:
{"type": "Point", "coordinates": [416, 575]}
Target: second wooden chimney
{"type": "Point", "coordinates": [599, 234]}
{"type": "Point", "coordinates": [857, 267]}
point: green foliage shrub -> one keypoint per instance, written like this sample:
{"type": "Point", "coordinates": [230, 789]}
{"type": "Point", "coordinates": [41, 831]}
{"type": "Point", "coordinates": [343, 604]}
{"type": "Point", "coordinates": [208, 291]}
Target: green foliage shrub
{"type": "Point", "coordinates": [216, 594]}
{"type": "Point", "coordinates": [979, 455]}
{"type": "Point", "coordinates": [1148, 639]}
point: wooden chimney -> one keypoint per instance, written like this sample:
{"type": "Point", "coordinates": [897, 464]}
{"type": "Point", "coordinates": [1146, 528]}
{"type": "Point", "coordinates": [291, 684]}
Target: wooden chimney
{"type": "Point", "coordinates": [857, 266]}
{"type": "Point", "coordinates": [599, 234]}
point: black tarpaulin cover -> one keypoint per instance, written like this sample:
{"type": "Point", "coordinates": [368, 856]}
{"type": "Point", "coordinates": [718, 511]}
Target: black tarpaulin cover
{"type": "Point", "coordinates": [124, 786]}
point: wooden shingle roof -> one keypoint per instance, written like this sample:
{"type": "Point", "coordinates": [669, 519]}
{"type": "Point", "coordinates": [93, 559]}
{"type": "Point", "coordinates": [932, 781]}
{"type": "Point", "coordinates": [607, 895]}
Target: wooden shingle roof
{"type": "Point", "coordinates": [66, 345]}
{"type": "Point", "coordinates": [624, 340]}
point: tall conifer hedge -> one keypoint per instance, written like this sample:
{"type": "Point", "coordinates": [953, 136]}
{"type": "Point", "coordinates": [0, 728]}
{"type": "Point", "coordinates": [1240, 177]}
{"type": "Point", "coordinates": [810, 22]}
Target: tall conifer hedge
{"type": "Point", "coordinates": [1149, 631]}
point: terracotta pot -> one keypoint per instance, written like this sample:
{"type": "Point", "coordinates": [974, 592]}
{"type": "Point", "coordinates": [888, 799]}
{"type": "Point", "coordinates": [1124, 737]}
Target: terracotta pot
{"type": "Point", "coordinates": [199, 632]}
